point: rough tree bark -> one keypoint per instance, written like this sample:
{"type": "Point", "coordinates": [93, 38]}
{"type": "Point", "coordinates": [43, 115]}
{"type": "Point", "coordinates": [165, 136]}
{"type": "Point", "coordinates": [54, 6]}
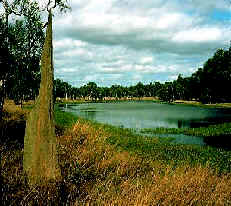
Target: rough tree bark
{"type": "Point", "coordinates": [40, 152]}
{"type": "Point", "coordinates": [1, 99]}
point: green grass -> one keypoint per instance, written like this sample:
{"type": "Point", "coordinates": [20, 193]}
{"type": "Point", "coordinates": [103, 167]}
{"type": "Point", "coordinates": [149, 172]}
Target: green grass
{"type": "Point", "coordinates": [175, 154]}
{"type": "Point", "coordinates": [154, 149]}
{"type": "Point", "coordinates": [64, 119]}
{"type": "Point", "coordinates": [214, 130]}
{"type": "Point", "coordinates": [107, 165]}
{"type": "Point", "coordinates": [157, 149]}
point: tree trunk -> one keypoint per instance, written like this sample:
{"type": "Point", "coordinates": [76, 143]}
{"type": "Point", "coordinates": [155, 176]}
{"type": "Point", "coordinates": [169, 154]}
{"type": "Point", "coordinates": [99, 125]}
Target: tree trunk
{"type": "Point", "coordinates": [2, 81]}
{"type": "Point", "coordinates": [40, 152]}
{"type": "Point", "coordinates": [1, 99]}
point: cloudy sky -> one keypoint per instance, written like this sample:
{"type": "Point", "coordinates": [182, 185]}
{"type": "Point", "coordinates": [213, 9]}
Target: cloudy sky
{"type": "Point", "coordinates": [127, 41]}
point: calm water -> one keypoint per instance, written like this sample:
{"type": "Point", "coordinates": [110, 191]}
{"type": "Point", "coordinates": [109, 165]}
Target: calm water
{"type": "Point", "coordinates": [138, 115]}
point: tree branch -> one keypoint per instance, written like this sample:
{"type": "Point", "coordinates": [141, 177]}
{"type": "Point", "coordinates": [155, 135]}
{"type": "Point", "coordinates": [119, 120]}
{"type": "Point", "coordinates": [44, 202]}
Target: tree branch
{"type": "Point", "coordinates": [49, 2]}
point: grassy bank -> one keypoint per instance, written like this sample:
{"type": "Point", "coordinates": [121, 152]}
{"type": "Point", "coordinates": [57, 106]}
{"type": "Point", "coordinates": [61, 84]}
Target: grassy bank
{"type": "Point", "coordinates": [214, 135]}
{"type": "Point", "coordinates": [149, 99]}
{"type": "Point", "coordinates": [112, 100]}
{"type": "Point", "coordinates": [213, 130]}
{"type": "Point", "coordinates": [105, 165]}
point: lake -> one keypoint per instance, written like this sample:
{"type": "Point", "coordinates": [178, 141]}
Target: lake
{"type": "Point", "coordinates": [143, 114]}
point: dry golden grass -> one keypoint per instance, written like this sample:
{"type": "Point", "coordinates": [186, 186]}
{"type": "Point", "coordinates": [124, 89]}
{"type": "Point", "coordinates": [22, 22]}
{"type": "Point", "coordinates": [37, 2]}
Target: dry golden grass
{"type": "Point", "coordinates": [96, 173]}
{"type": "Point", "coordinates": [123, 178]}
{"type": "Point", "coordinates": [221, 105]}
{"type": "Point", "coordinates": [14, 112]}
{"type": "Point", "coordinates": [193, 102]}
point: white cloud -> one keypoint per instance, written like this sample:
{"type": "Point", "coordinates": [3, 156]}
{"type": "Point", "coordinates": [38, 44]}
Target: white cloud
{"type": "Point", "coordinates": [209, 5]}
{"type": "Point", "coordinates": [109, 70]}
{"type": "Point", "coordinates": [90, 78]}
{"type": "Point", "coordinates": [172, 20]}
{"type": "Point", "coordinates": [127, 67]}
{"type": "Point", "coordinates": [67, 70]}
{"type": "Point", "coordinates": [78, 52]}
{"type": "Point", "coordinates": [137, 77]}
{"type": "Point", "coordinates": [120, 41]}
{"type": "Point", "coordinates": [67, 43]}
{"type": "Point", "coordinates": [1, 9]}
{"type": "Point", "coordinates": [146, 60]}
{"type": "Point", "coordinates": [198, 35]}
{"type": "Point", "coordinates": [173, 77]}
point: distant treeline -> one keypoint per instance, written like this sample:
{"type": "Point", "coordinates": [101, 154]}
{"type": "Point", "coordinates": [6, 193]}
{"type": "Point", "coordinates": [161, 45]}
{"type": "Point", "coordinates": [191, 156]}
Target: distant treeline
{"type": "Point", "coordinates": [209, 84]}
{"type": "Point", "coordinates": [20, 53]}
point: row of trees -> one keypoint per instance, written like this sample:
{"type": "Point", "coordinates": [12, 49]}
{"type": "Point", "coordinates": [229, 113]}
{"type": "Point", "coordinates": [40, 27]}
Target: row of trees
{"type": "Point", "coordinates": [93, 92]}
{"type": "Point", "coordinates": [21, 79]}
{"type": "Point", "coordinates": [208, 85]}
{"type": "Point", "coordinates": [20, 59]}
{"type": "Point", "coordinates": [21, 44]}
{"type": "Point", "coordinates": [20, 52]}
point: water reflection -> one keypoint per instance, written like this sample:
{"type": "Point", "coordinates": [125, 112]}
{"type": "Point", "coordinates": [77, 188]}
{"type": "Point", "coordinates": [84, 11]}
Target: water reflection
{"type": "Point", "coordinates": [140, 115]}
{"type": "Point", "coordinates": [178, 139]}
{"type": "Point", "coordinates": [89, 114]}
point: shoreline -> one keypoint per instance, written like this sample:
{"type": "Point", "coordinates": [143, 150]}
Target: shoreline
{"type": "Point", "coordinates": [196, 103]}
{"type": "Point", "coordinates": [148, 99]}
{"type": "Point", "coordinates": [103, 164]}
{"type": "Point", "coordinates": [176, 102]}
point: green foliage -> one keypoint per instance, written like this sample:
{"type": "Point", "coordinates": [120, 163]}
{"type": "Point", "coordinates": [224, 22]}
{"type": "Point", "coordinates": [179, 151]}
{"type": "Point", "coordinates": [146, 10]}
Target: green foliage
{"type": "Point", "coordinates": [174, 154]}
{"type": "Point", "coordinates": [92, 91]}
{"type": "Point", "coordinates": [21, 46]}
{"type": "Point", "coordinates": [61, 5]}
{"type": "Point", "coordinates": [24, 81]}
{"type": "Point", "coordinates": [23, 41]}
{"type": "Point", "coordinates": [213, 130]}
{"type": "Point", "coordinates": [64, 119]}
{"type": "Point", "coordinates": [207, 85]}
{"type": "Point", "coordinates": [98, 172]}
{"type": "Point", "coordinates": [166, 93]}
{"type": "Point", "coordinates": [62, 89]}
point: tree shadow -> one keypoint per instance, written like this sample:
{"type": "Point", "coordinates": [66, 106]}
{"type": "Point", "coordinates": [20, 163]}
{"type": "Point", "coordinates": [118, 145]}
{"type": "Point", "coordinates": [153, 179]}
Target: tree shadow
{"type": "Point", "coordinates": [223, 141]}
{"type": "Point", "coordinates": [12, 131]}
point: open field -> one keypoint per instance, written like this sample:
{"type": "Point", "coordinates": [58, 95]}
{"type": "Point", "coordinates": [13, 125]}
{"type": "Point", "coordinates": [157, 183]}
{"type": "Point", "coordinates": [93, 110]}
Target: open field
{"type": "Point", "coordinates": [105, 165]}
